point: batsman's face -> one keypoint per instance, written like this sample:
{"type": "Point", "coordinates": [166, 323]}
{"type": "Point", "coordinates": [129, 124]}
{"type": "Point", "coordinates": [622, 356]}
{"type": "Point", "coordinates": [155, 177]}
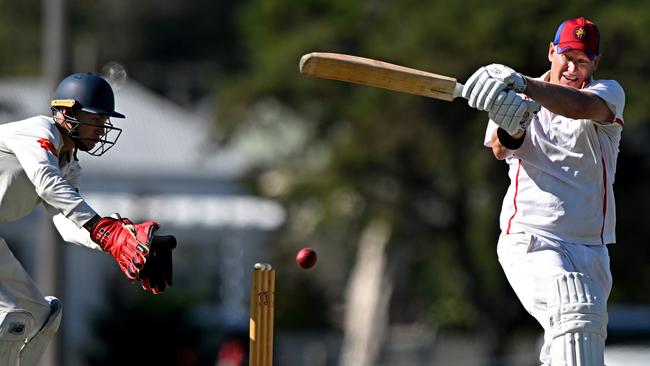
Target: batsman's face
{"type": "Point", "coordinates": [572, 68]}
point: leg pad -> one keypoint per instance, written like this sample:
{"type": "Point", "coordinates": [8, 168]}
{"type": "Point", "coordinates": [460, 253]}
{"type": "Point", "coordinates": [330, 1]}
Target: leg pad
{"type": "Point", "coordinates": [578, 319]}
{"type": "Point", "coordinates": [33, 350]}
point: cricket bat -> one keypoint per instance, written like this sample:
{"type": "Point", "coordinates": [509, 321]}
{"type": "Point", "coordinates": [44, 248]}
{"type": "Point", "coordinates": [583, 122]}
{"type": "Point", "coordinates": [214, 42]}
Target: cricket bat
{"type": "Point", "coordinates": [379, 74]}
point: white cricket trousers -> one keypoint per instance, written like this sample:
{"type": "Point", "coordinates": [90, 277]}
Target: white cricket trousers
{"type": "Point", "coordinates": [18, 291]}
{"type": "Point", "coordinates": [531, 263]}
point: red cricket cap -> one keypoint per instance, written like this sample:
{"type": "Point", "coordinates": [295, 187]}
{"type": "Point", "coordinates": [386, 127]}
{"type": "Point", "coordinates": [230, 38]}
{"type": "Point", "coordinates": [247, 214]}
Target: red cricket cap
{"type": "Point", "coordinates": [578, 34]}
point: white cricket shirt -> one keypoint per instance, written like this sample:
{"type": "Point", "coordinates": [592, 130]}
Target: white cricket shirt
{"type": "Point", "coordinates": [30, 174]}
{"type": "Point", "coordinates": [561, 179]}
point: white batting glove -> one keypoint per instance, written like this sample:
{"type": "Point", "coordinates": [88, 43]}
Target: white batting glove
{"type": "Point", "coordinates": [482, 88]}
{"type": "Point", "coordinates": [512, 112]}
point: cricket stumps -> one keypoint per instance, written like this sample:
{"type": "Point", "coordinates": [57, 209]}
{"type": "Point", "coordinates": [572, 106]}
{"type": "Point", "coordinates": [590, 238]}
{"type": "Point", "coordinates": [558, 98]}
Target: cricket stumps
{"type": "Point", "coordinates": [261, 316]}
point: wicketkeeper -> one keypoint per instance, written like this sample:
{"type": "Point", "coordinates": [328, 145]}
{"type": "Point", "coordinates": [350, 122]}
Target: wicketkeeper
{"type": "Point", "coordinates": [558, 215]}
{"type": "Point", "coordinates": [38, 164]}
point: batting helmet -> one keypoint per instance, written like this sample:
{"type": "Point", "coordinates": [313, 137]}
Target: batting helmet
{"type": "Point", "coordinates": [91, 94]}
{"type": "Point", "coordinates": [88, 92]}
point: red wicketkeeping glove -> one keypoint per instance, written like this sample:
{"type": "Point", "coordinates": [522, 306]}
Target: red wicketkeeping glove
{"type": "Point", "coordinates": [128, 243]}
{"type": "Point", "coordinates": [156, 274]}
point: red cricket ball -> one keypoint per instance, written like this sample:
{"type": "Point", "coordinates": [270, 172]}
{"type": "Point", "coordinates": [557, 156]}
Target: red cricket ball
{"type": "Point", "coordinates": [306, 258]}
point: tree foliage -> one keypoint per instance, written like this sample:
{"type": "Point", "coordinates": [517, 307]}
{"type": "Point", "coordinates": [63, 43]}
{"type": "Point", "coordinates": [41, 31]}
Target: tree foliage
{"type": "Point", "coordinates": [20, 44]}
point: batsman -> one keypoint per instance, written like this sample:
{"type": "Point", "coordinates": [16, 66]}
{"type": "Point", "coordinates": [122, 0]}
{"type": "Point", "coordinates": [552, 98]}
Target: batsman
{"type": "Point", "coordinates": [558, 214]}
{"type": "Point", "coordinates": [38, 165]}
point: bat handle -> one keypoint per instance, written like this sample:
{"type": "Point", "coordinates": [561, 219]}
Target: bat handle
{"type": "Point", "coordinates": [458, 90]}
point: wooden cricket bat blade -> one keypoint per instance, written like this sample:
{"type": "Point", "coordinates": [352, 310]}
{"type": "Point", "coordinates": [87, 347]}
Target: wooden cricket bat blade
{"type": "Point", "coordinates": [379, 74]}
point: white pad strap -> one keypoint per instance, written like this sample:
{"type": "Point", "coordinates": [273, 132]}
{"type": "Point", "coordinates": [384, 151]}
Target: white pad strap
{"type": "Point", "coordinates": [578, 319]}
{"type": "Point", "coordinates": [33, 350]}
{"type": "Point", "coordinates": [15, 325]}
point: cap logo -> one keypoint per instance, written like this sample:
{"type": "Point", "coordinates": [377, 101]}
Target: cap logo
{"type": "Point", "coordinates": [580, 32]}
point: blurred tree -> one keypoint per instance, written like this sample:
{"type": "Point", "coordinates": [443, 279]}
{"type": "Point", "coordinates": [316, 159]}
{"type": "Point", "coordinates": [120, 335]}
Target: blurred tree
{"type": "Point", "coordinates": [177, 48]}
{"type": "Point", "coordinates": [20, 38]}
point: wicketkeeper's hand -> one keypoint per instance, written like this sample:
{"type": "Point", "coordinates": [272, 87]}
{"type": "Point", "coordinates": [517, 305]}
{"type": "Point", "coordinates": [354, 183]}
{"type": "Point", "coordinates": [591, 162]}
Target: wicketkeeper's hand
{"type": "Point", "coordinates": [127, 242]}
{"type": "Point", "coordinates": [483, 87]}
{"type": "Point", "coordinates": [512, 112]}
{"type": "Point", "coordinates": [156, 275]}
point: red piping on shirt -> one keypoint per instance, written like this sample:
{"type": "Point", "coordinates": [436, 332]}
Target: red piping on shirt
{"type": "Point", "coordinates": [602, 160]}
{"type": "Point", "coordinates": [514, 200]}
{"type": "Point", "coordinates": [602, 228]}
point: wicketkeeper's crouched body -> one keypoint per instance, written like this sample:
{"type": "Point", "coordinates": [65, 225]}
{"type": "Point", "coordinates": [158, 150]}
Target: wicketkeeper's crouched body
{"type": "Point", "coordinates": [38, 165]}
{"type": "Point", "coordinates": [559, 135]}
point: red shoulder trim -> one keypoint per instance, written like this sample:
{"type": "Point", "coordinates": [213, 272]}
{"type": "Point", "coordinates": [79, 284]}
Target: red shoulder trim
{"type": "Point", "coordinates": [47, 145]}
{"type": "Point", "coordinates": [514, 200]}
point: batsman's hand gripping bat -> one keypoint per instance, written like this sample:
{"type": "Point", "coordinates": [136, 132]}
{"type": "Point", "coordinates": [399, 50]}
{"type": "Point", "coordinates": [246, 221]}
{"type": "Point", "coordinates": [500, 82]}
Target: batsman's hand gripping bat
{"type": "Point", "coordinates": [379, 74]}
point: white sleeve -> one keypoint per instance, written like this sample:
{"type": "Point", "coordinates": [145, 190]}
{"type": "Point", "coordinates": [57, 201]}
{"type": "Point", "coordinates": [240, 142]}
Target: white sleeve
{"type": "Point", "coordinates": [491, 127]}
{"type": "Point", "coordinates": [41, 166]}
{"type": "Point", "coordinates": [612, 93]}
{"type": "Point", "coordinates": [70, 232]}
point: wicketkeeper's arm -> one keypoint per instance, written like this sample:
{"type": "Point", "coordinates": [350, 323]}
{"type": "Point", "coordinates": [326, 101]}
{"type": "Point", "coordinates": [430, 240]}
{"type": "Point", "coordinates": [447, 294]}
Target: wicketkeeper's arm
{"type": "Point", "coordinates": [69, 231]}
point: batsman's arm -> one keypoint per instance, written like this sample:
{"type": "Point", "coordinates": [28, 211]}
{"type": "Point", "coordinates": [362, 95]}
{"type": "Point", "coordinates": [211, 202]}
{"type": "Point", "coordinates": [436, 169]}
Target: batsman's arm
{"type": "Point", "coordinates": [567, 101]}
